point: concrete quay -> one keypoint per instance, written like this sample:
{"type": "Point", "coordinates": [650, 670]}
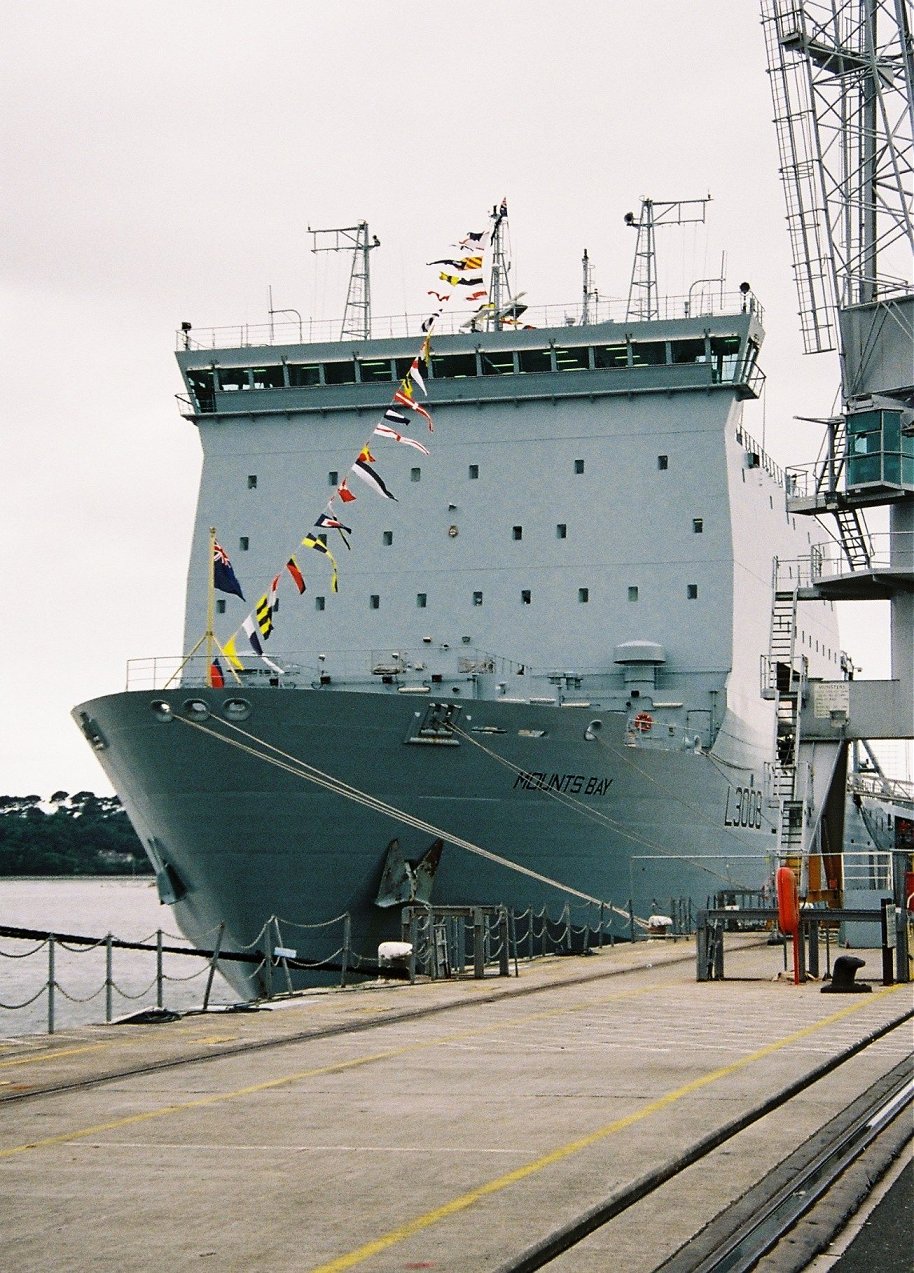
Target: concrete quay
{"type": "Point", "coordinates": [446, 1126]}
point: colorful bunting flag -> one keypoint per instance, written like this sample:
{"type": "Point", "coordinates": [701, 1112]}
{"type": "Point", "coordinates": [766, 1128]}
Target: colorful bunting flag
{"type": "Point", "coordinates": [312, 541]}
{"type": "Point", "coordinates": [298, 577]}
{"type": "Point", "coordinates": [383, 431]}
{"type": "Point", "coordinates": [371, 478]}
{"type": "Point", "coordinates": [416, 369]}
{"type": "Point", "coordinates": [344, 492]}
{"type": "Point", "coordinates": [231, 654]}
{"type": "Point", "coordinates": [251, 629]}
{"type": "Point", "coordinates": [264, 615]}
{"type": "Point", "coordinates": [216, 679]}
{"type": "Point", "coordinates": [405, 400]}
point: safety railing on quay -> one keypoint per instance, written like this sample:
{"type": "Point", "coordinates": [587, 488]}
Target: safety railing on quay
{"type": "Point", "coordinates": [443, 942]}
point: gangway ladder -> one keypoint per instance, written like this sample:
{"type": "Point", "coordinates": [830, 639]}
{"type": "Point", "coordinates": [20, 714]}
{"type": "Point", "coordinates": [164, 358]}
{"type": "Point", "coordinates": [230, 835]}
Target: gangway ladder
{"type": "Point", "coordinates": [785, 683]}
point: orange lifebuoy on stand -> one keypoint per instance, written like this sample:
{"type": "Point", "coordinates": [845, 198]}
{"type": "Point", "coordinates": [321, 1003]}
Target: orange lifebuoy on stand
{"type": "Point", "coordinates": [643, 722]}
{"type": "Point", "coordinates": [789, 913]}
{"type": "Point", "coordinates": [788, 901]}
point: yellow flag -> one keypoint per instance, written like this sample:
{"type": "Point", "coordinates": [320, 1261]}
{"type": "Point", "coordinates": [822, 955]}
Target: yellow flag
{"type": "Point", "coordinates": [232, 655]}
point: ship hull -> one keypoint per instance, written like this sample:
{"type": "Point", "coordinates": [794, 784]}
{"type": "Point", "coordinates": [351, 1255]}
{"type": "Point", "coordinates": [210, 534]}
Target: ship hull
{"type": "Point", "coordinates": [248, 821]}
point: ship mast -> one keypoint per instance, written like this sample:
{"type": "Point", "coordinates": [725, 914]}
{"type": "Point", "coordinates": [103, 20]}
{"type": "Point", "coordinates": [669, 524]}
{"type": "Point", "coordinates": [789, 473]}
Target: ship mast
{"type": "Point", "coordinates": [643, 301]}
{"type": "Point", "coordinates": [354, 239]}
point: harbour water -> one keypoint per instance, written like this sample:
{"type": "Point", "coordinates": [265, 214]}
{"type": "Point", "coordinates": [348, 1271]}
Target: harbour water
{"type": "Point", "coordinates": [126, 908]}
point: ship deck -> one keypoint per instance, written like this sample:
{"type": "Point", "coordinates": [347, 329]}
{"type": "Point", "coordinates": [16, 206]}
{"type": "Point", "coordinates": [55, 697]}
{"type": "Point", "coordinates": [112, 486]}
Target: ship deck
{"type": "Point", "coordinates": [449, 1125]}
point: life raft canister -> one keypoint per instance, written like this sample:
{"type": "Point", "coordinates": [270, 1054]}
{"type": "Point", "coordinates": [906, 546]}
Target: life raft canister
{"type": "Point", "coordinates": [643, 722]}
{"type": "Point", "coordinates": [788, 901]}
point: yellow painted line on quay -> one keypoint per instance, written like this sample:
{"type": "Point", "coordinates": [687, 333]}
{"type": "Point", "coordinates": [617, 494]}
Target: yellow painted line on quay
{"type": "Point", "coordinates": [285, 1080]}
{"type": "Point", "coordinates": [466, 1200]}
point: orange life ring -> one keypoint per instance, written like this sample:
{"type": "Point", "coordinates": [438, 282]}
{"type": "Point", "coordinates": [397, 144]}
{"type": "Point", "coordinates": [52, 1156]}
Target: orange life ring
{"type": "Point", "coordinates": [643, 722]}
{"type": "Point", "coordinates": [788, 901]}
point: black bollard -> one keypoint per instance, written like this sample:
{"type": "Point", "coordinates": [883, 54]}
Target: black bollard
{"type": "Point", "coordinates": [843, 974]}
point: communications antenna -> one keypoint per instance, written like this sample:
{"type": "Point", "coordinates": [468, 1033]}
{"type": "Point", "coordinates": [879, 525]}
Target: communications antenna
{"type": "Point", "coordinates": [354, 239]}
{"type": "Point", "coordinates": [642, 293]}
{"type": "Point", "coordinates": [588, 291]}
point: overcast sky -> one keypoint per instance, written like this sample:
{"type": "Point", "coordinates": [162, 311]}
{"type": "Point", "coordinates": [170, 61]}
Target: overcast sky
{"type": "Point", "coordinates": [163, 161]}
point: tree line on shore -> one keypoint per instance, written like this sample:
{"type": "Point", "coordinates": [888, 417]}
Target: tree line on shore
{"type": "Point", "coordinates": [80, 834]}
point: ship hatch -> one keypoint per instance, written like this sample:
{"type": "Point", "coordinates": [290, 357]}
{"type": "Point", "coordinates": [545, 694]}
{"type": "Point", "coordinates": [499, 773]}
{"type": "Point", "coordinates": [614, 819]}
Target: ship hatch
{"type": "Point", "coordinates": [434, 726]}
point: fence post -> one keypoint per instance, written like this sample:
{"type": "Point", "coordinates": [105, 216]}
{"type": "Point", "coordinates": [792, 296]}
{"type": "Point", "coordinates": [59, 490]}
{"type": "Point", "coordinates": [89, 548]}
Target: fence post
{"type": "Point", "coordinates": [268, 957]}
{"type": "Point", "coordinates": [51, 983]}
{"type": "Point", "coordinates": [601, 926]}
{"type": "Point", "coordinates": [513, 922]}
{"type": "Point", "coordinates": [568, 926]}
{"type": "Point", "coordinates": [347, 938]}
{"type": "Point", "coordinates": [108, 960]}
{"type": "Point", "coordinates": [160, 1000]}
{"type": "Point", "coordinates": [214, 958]}
{"type": "Point", "coordinates": [503, 952]}
{"type": "Point", "coordinates": [479, 966]}
{"type": "Point", "coordinates": [631, 920]}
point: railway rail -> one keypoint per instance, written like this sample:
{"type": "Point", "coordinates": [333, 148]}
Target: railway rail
{"type": "Point", "coordinates": [734, 1067]}
{"type": "Point", "coordinates": [739, 1237]}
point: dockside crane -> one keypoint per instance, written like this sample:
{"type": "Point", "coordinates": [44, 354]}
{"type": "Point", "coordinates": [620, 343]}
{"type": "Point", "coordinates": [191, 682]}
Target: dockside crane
{"type": "Point", "coordinates": [842, 84]}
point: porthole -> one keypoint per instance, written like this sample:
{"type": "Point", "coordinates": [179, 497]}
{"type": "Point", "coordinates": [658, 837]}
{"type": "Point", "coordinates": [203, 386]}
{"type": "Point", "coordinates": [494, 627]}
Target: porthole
{"type": "Point", "coordinates": [236, 709]}
{"type": "Point", "coordinates": [161, 710]}
{"type": "Point", "coordinates": [196, 708]}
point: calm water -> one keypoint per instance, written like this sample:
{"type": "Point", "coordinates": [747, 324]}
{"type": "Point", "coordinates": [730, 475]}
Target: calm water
{"type": "Point", "coordinates": [127, 908]}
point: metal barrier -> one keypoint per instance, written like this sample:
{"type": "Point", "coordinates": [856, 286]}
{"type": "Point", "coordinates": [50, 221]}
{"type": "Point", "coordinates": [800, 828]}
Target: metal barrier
{"type": "Point", "coordinates": [713, 923]}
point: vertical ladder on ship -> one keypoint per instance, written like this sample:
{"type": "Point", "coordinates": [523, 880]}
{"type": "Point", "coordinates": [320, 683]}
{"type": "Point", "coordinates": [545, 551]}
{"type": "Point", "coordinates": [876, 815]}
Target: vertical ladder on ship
{"type": "Point", "coordinates": [786, 679]}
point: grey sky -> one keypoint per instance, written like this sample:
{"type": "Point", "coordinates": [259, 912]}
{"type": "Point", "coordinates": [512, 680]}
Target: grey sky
{"type": "Point", "coordinates": [162, 162]}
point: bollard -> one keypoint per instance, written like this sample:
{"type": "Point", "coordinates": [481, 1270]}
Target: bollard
{"type": "Point", "coordinates": [160, 973]}
{"type": "Point", "coordinates": [812, 929]}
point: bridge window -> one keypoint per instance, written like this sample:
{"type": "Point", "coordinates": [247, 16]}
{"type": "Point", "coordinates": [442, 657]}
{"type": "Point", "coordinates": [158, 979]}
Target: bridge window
{"type": "Point", "coordinates": [202, 384]}
{"type": "Point", "coordinates": [231, 379]}
{"type": "Point", "coordinates": [339, 373]}
{"type": "Point", "coordinates": [610, 356]}
{"type": "Point", "coordinates": [453, 366]}
{"type": "Point", "coordinates": [649, 353]}
{"type": "Point", "coordinates": [373, 369]}
{"type": "Point", "coordinates": [497, 364]}
{"type": "Point", "coordinates": [725, 356]}
{"type": "Point", "coordinates": [534, 360]}
{"type": "Point", "coordinates": [689, 351]}
{"type": "Point", "coordinates": [268, 378]}
{"type": "Point", "coordinates": [572, 359]}
{"type": "Point", "coordinates": [301, 375]}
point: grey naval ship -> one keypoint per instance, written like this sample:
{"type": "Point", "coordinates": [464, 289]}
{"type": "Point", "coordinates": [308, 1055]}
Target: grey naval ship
{"type": "Point", "coordinates": [544, 654]}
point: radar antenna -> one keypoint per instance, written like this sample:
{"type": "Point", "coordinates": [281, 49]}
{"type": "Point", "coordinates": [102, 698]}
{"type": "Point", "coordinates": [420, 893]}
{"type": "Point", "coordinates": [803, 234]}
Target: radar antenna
{"type": "Point", "coordinates": [642, 292]}
{"type": "Point", "coordinates": [354, 239]}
